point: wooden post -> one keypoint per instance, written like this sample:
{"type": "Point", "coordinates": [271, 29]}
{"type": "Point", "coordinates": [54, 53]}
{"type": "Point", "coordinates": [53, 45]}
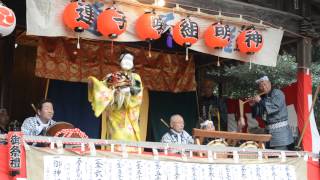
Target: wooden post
{"type": "Point", "coordinates": [304, 54]}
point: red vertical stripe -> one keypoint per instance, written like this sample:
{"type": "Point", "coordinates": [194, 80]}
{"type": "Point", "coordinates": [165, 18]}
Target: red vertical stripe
{"type": "Point", "coordinates": [304, 87]}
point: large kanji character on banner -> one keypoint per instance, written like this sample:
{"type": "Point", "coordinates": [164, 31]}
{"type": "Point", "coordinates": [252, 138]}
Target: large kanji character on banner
{"type": "Point", "coordinates": [7, 20]}
{"type": "Point", "coordinates": [118, 98]}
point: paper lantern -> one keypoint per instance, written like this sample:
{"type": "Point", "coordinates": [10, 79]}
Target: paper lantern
{"type": "Point", "coordinates": [249, 41]}
{"type": "Point", "coordinates": [217, 36]}
{"type": "Point", "coordinates": [78, 16]}
{"type": "Point", "coordinates": [7, 20]}
{"type": "Point", "coordinates": [111, 23]}
{"type": "Point", "coordinates": [149, 26]}
{"type": "Point", "coordinates": [186, 32]}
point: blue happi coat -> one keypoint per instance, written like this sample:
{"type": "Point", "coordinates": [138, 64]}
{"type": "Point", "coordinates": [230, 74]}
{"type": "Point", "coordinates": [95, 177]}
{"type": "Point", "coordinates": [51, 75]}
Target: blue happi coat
{"type": "Point", "coordinates": [273, 110]}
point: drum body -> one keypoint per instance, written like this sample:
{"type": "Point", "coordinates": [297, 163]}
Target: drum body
{"type": "Point", "coordinates": [218, 143]}
{"type": "Point", "coordinates": [53, 129]}
{"type": "Point", "coordinates": [249, 145]}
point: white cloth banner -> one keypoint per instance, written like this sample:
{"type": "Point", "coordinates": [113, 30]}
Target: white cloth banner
{"type": "Point", "coordinates": [72, 167]}
{"type": "Point", "coordinates": [44, 18]}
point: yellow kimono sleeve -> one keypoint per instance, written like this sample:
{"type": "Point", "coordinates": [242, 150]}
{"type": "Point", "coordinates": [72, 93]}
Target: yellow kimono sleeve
{"type": "Point", "coordinates": [135, 100]}
{"type": "Point", "coordinates": [99, 95]}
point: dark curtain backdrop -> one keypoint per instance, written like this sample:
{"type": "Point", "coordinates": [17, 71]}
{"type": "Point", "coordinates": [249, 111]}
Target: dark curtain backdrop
{"type": "Point", "coordinates": [163, 105]}
{"type": "Point", "coordinates": [71, 105]}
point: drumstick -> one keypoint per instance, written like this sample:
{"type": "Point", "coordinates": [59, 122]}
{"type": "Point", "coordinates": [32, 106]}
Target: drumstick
{"type": "Point", "coordinates": [34, 107]}
{"type": "Point", "coordinates": [165, 123]}
{"type": "Point", "coordinates": [241, 103]}
{"type": "Point", "coordinates": [260, 94]}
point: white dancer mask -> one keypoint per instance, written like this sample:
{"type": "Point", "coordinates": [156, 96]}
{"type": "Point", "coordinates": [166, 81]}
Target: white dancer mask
{"type": "Point", "coordinates": [126, 61]}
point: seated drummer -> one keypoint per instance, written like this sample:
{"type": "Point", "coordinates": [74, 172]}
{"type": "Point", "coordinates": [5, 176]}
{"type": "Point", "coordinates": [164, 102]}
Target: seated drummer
{"type": "Point", "coordinates": [37, 125]}
{"type": "Point", "coordinates": [177, 134]}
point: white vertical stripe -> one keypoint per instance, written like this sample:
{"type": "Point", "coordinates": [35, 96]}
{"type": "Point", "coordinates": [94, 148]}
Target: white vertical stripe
{"type": "Point", "coordinates": [314, 131]}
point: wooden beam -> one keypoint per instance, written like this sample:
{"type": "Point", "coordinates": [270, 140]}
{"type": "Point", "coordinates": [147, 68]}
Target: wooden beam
{"type": "Point", "coordinates": [278, 18]}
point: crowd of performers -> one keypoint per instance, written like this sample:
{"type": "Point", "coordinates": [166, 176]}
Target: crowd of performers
{"type": "Point", "coordinates": [118, 98]}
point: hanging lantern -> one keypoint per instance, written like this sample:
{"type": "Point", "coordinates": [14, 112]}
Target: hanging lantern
{"type": "Point", "coordinates": [217, 36]}
{"type": "Point", "coordinates": [78, 16]}
{"type": "Point", "coordinates": [7, 20]}
{"type": "Point", "coordinates": [186, 33]}
{"type": "Point", "coordinates": [249, 41]}
{"type": "Point", "coordinates": [111, 23]}
{"type": "Point", "coordinates": [149, 27]}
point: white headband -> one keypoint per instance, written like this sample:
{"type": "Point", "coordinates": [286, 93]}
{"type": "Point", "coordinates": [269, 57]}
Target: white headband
{"type": "Point", "coordinates": [264, 78]}
{"type": "Point", "coordinates": [206, 123]}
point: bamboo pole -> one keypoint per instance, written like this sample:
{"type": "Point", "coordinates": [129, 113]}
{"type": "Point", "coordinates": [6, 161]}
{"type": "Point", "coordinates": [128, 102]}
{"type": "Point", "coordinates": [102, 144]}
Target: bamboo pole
{"type": "Point", "coordinates": [47, 88]}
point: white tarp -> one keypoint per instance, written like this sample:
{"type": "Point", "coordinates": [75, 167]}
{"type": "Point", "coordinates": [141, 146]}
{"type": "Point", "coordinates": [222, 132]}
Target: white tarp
{"type": "Point", "coordinates": [44, 18]}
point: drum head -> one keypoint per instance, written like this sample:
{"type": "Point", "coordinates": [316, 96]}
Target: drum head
{"type": "Point", "coordinates": [250, 144]}
{"type": "Point", "coordinates": [53, 129]}
{"type": "Point", "coordinates": [218, 143]}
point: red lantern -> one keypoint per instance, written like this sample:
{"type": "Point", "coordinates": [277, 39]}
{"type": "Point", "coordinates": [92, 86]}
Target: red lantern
{"type": "Point", "coordinates": [7, 20]}
{"type": "Point", "coordinates": [217, 36]}
{"type": "Point", "coordinates": [111, 23]}
{"type": "Point", "coordinates": [149, 26]}
{"type": "Point", "coordinates": [78, 16]}
{"type": "Point", "coordinates": [249, 41]}
{"type": "Point", "coordinates": [186, 32]}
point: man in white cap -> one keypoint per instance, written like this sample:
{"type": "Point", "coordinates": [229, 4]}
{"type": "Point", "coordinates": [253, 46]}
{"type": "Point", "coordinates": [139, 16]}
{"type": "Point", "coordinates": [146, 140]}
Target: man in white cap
{"type": "Point", "coordinates": [271, 107]}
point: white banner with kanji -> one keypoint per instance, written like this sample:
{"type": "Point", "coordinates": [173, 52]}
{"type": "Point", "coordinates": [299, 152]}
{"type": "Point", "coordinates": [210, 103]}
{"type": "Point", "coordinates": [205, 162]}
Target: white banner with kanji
{"type": "Point", "coordinates": [72, 167]}
{"type": "Point", "coordinates": [44, 18]}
